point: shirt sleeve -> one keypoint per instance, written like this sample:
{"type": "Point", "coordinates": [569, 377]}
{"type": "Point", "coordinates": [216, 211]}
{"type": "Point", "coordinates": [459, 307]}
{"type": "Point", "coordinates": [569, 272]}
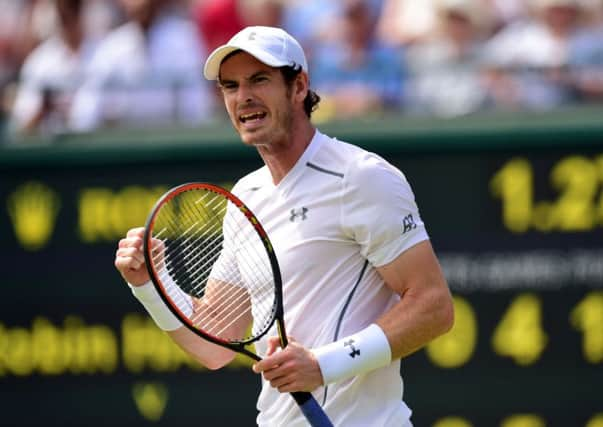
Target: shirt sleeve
{"type": "Point", "coordinates": [379, 211]}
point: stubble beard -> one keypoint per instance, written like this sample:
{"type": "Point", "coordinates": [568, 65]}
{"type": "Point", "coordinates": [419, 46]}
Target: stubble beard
{"type": "Point", "coordinates": [277, 137]}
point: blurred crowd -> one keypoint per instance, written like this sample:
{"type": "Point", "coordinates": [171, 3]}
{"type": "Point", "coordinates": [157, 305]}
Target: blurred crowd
{"type": "Point", "coordinates": [85, 65]}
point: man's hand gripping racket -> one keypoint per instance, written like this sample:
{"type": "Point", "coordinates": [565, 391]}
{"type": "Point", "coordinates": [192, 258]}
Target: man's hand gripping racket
{"type": "Point", "coordinates": [214, 267]}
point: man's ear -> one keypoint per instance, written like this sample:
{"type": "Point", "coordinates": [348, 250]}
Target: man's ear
{"type": "Point", "coordinates": [301, 86]}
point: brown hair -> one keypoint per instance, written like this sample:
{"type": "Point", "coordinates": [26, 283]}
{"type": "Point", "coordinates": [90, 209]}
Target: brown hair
{"type": "Point", "coordinates": [312, 99]}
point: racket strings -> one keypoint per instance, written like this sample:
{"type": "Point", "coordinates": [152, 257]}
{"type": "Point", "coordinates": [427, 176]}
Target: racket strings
{"type": "Point", "coordinates": [254, 263]}
{"type": "Point", "coordinates": [234, 303]}
{"type": "Point", "coordinates": [175, 293]}
{"type": "Point", "coordinates": [191, 231]}
{"type": "Point", "coordinates": [228, 298]}
{"type": "Point", "coordinates": [186, 243]}
{"type": "Point", "coordinates": [263, 286]}
{"type": "Point", "coordinates": [187, 246]}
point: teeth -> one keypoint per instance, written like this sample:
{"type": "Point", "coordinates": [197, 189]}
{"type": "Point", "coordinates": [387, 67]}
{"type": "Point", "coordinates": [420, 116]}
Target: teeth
{"type": "Point", "coordinates": [251, 116]}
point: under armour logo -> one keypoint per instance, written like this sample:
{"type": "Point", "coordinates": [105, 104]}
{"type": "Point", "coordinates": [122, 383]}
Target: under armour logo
{"type": "Point", "coordinates": [350, 343]}
{"type": "Point", "coordinates": [252, 35]}
{"type": "Point", "coordinates": [298, 213]}
{"type": "Point", "coordinates": [408, 223]}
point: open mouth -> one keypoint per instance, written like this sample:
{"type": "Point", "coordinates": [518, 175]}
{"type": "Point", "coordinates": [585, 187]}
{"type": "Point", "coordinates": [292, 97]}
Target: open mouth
{"type": "Point", "coordinates": [252, 117]}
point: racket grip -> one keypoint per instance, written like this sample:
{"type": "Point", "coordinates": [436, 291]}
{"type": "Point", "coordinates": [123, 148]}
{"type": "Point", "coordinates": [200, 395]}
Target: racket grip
{"type": "Point", "coordinates": [311, 409]}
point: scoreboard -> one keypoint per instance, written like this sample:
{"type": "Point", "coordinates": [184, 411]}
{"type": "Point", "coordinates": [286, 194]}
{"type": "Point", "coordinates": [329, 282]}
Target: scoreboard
{"type": "Point", "coordinates": [515, 216]}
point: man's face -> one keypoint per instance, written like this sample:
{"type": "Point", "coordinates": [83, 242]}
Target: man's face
{"type": "Point", "coordinates": [257, 99]}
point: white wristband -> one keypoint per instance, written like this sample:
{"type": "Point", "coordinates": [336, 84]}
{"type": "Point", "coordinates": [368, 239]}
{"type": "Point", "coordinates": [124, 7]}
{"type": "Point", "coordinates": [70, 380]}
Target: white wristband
{"type": "Point", "coordinates": [159, 312]}
{"type": "Point", "coordinates": [356, 354]}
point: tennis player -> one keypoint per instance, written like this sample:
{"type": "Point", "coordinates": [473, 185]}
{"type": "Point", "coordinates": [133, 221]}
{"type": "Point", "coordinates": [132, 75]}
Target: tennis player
{"type": "Point", "coordinates": [362, 286]}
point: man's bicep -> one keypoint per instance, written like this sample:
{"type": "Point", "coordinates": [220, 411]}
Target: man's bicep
{"type": "Point", "coordinates": [425, 309]}
{"type": "Point", "coordinates": [416, 266]}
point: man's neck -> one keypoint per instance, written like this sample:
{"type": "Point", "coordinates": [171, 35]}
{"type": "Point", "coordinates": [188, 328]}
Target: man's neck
{"type": "Point", "coordinates": [281, 162]}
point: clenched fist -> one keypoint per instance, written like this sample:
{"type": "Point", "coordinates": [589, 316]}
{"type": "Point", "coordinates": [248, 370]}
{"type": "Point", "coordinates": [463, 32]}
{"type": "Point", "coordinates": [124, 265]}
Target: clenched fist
{"type": "Point", "coordinates": [129, 259]}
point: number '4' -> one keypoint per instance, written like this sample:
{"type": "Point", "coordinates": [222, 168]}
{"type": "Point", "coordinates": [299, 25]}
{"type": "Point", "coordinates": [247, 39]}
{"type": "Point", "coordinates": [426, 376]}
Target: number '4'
{"type": "Point", "coordinates": [519, 335]}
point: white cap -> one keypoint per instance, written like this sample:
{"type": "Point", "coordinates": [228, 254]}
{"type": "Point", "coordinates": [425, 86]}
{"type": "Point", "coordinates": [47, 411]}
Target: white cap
{"type": "Point", "coordinates": [270, 45]}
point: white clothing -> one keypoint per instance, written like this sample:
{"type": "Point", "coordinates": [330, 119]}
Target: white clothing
{"type": "Point", "coordinates": [526, 50]}
{"type": "Point", "coordinates": [139, 80]}
{"type": "Point", "coordinates": [526, 44]}
{"type": "Point", "coordinates": [409, 19]}
{"type": "Point", "coordinates": [339, 213]}
{"type": "Point", "coordinates": [442, 81]}
{"type": "Point", "coordinates": [51, 70]}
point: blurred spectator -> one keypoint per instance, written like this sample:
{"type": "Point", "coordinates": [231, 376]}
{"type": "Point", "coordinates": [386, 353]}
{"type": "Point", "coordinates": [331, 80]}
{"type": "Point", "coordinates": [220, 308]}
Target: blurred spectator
{"type": "Point", "coordinates": [147, 72]}
{"type": "Point", "coordinates": [101, 16]}
{"type": "Point", "coordinates": [52, 72]}
{"type": "Point", "coordinates": [407, 21]}
{"type": "Point", "coordinates": [18, 36]}
{"type": "Point", "coordinates": [585, 58]}
{"type": "Point", "coordinates": [526, 58]}
{"type": "Point", "coordinates": [356, 74]}
{"type": "Point", "coordinates": [505, 12]}
{"type": "Point", "coordinates": [307, 20]}
{"type": "Point", "coordinates": [219, 20]}
{"type": "Point", "coordinates": [445, 78]}
{"type": "Point", "coordinates": [311, 22]}
{"type": "Point", "coordinates": [442, 57]}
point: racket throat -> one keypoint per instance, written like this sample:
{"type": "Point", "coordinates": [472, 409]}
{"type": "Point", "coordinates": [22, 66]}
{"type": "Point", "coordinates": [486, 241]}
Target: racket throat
{"type": "Point", "coordinates": [244, 350]}
{"type": "Point", "coordinates": [281, 333]}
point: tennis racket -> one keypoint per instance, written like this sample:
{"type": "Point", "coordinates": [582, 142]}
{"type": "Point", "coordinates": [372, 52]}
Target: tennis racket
{"type": "Point", "coordinates": [214, 267]}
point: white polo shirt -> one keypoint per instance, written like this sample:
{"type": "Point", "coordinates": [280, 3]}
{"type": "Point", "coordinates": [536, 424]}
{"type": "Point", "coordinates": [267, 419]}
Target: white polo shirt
{"type": "Point", "coordinates": [339, 213]}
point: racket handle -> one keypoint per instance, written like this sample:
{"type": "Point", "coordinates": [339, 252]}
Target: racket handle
{"type": "Point", "coordinates": [311, 409]}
